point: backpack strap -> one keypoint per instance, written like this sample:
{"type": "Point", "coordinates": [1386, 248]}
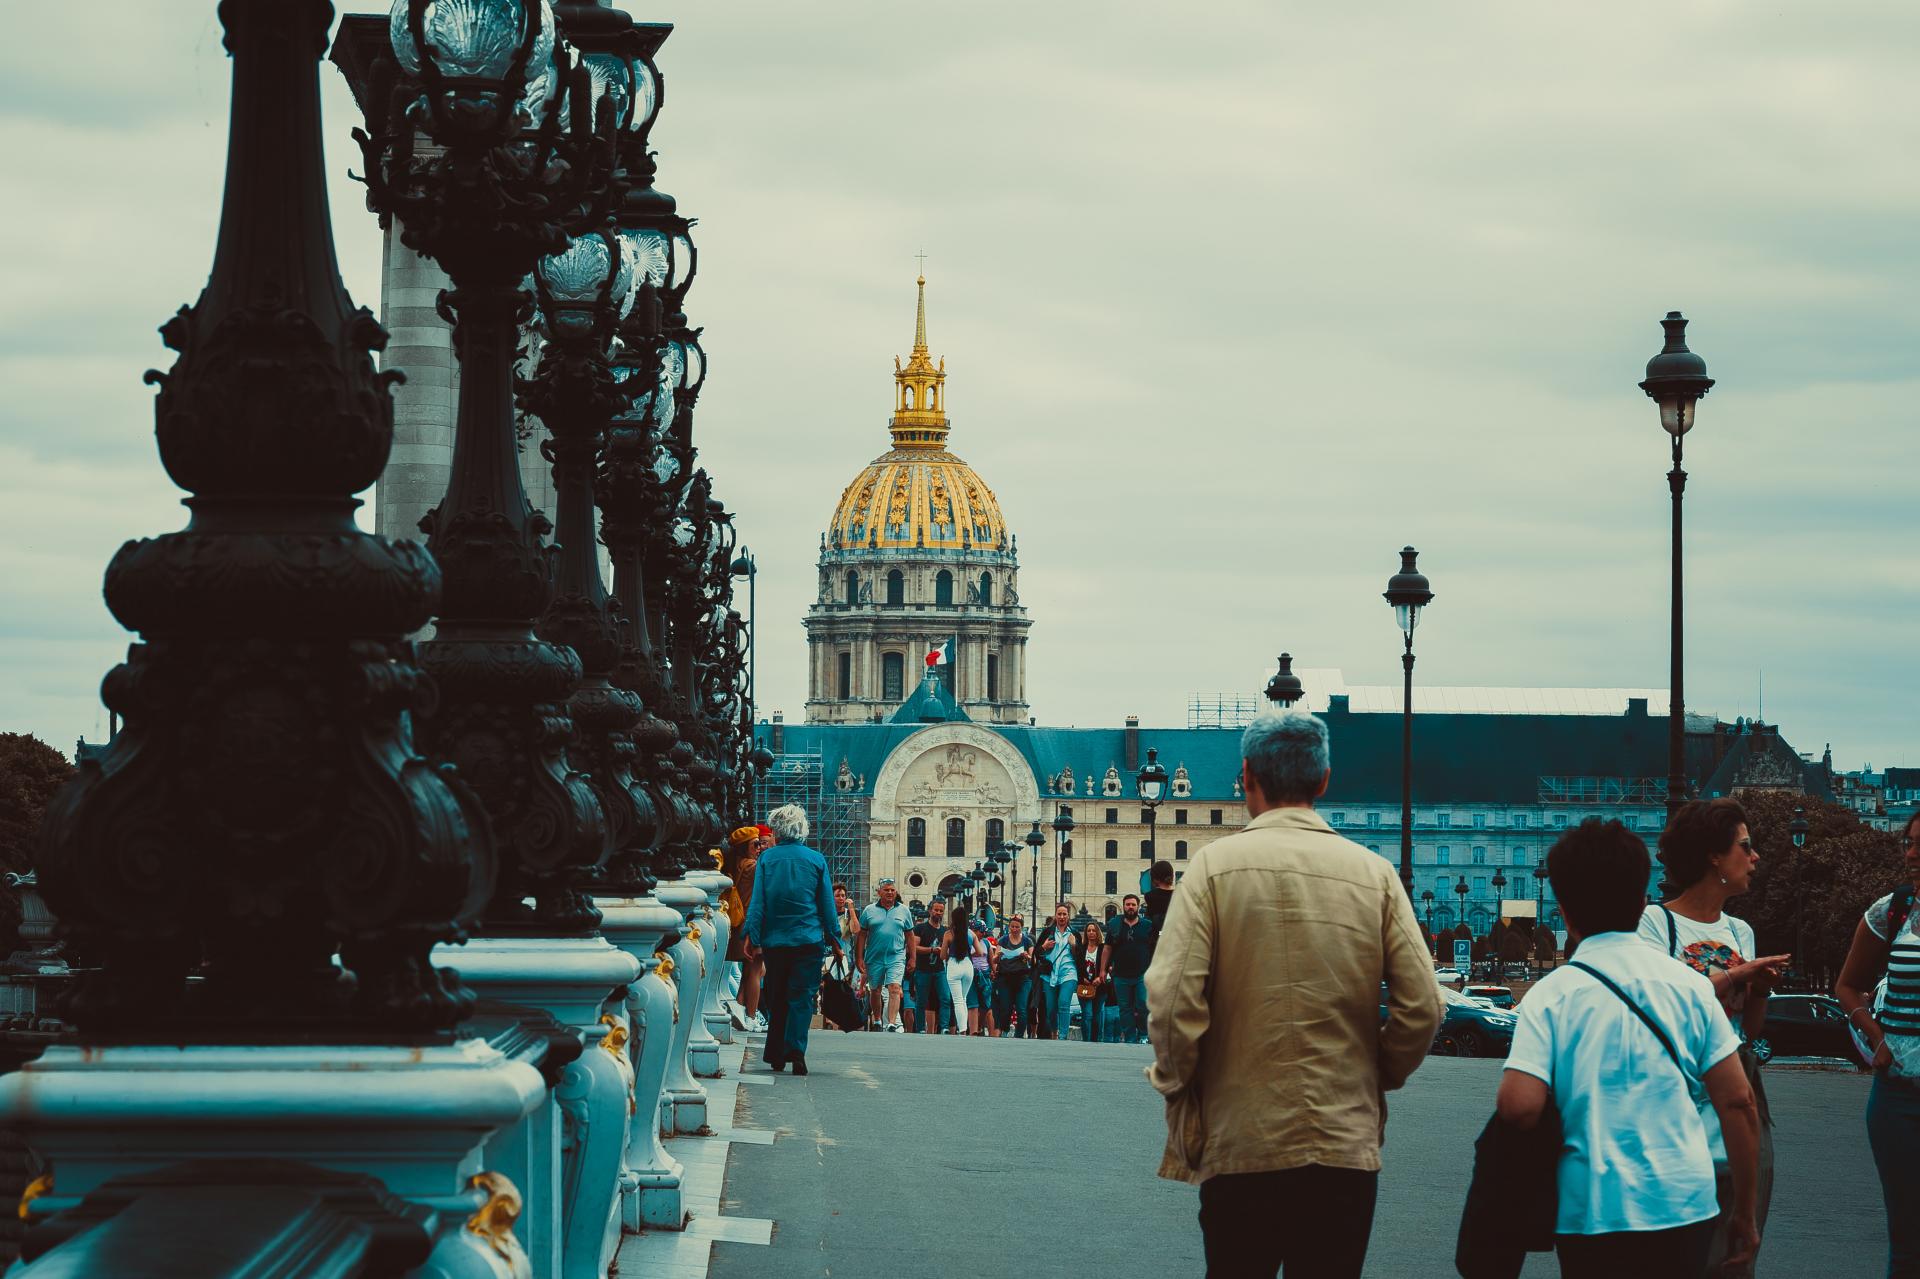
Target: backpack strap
{"type": "Point", "coordinates": [1639, 1012]}
{"type": "Point", "coordinates": [1673, 941]}
{"type": "Point", "coordinates": [1898, 909]}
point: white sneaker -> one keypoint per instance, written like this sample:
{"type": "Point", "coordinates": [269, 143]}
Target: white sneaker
{"type": "Point", "coordinates": [760, 1023]}
{"type": "Point", "coordinates": [737, 1015]}
{"type": "Point", "coordinates": [894, 1027]}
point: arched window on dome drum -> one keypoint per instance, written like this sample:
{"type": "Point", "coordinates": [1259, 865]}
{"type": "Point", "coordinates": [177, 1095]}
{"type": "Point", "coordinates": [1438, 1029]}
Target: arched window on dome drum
{"type": "Point", "coordinates": [996, 833]}
{"type": "Point", "coordinates": [896, 588]}
{"type": "Point", "coordinates": [846, 676]}
{"type": "Point", "coordinates": [853, 588]}
{"type": "Point", "coordinates": [916, 837]}
{"type": "Point", "coordinates": [907, 392]}
{"type": "Point", "coordinates": [943, 588]}
{"type": "Point", "coordinates": [956, 837]}
{"type": "Point", "coordinates": [893, 676]}
{"type": "Point", "coordinates": [986, 588]}
{"type": "Point", "coordinates": [993, 677]}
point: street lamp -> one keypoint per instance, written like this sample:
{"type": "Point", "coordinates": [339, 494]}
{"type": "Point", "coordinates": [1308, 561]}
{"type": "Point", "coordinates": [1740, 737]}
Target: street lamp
{"type": "Point", "coordinates": [1408, 592]}
{"type": "Point", "coordinates": [1499, 893]}
{"type": "Point", "coordinates": [1151, 783]}
{"type": "Point", "coordinates": [1676, 379]}
{"type": "Point", "coordinates": [1460, 890]}
{"type": "Point", "coordinates": [1284, 689]}
{"type": "Point", "coordinates": [1797, 829]}
{"type": "Point", "coordinates": [1426, 897]}
{"type": "Point", "coordinates": [748, 567]}
{"type": "Point", "coordinates": [1063, 843]}
{"type": "Point", "coordinates": [1035, 841]}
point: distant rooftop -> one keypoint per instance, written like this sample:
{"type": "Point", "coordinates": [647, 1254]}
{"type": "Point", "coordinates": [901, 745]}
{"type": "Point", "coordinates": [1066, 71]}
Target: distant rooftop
{"type": "Point", "coordinates": [1327, 682]}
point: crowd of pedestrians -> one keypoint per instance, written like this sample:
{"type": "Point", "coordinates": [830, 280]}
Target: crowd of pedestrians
{"type": "Point", "coordinates": [1286, 989]}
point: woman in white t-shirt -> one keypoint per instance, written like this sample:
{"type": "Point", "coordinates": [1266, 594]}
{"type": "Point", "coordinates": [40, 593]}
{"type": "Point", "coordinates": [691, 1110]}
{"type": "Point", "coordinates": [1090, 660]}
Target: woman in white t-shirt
{"type": "Point", "coordinates": [1708, 855]}
{"type": "Point", "coordinates": [1887, 941]}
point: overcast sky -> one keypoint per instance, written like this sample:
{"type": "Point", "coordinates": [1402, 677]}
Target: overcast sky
{"type": "Point", "coordinates": [1235, 301]}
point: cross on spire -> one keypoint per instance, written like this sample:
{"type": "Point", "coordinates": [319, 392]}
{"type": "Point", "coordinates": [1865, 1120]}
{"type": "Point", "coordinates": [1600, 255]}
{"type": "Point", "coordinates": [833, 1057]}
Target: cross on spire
{"type": "Point", "coordinates": [922, 256]}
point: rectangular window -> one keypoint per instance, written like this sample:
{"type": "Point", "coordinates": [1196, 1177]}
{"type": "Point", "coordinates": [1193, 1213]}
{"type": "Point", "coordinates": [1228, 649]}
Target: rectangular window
{"type": "Point", "coordinates": [1179, 850]}
{"type": "Point", "coordinates": [892, 676]}
{"type": "Point", "coordinates": [1443, 820]}
{"type": "Point", "coordinates": [1179, 817]}
{"type": "Point", "coordinates": [846, 676]}
{"type": "Point", "coordinates": [1143, 817]}
{"type": "Point", "coordinates": [1113, 848]}
{"type": "Point", "coordinates": [1113, 817]}
{"type": "Point", "coordinates": [1444, 857]}
{"type": "Point", "coordinates": [1441, 883]}
{"type": "Point", "coordinates": [1179, 875]}
{"type": "Point", "coordinates": [1479, 821]}
{"type": "Point", "coordinates": [1559, 821]}
{"type": "Point", "coordinates": [1373, 819]}
{"type": "Point", "coordinates": [1214, 818]}
{"type": "Point", "coordinates": [1520, 821]}
{"type": "Point", "coordinates": [1479, 856]}
{"type": "Point", "coordinates": [1520, 886]}
{"type": "Point", "coordinates": [1337, 819]}
{"type": "Point", "coordinates": [1113, 882]}
{"type": "Point", "coordinates": [1479, 883]}
{"type": "Point", "coordinates": [1066, 883]}
{"type": "Point", "coordinates": [993, 677]}
{"type": "Point", "coordinates": [1146, 851]}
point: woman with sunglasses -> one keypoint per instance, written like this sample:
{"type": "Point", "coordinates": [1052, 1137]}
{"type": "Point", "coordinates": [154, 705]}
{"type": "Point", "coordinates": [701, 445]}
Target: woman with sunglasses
{"type": "Point", "coordinates": [1708, 855]}
{"type": "Point", "coordinates": [1887, 1015]}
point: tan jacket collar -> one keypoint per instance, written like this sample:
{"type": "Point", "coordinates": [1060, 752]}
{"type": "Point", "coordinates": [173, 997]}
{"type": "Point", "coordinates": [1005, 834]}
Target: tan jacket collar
{"type": "Point", "coordinates": [1290, 819]}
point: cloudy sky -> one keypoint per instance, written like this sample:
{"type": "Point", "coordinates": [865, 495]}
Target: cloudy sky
{"type": "Point", "coordinates": [1234, 301]}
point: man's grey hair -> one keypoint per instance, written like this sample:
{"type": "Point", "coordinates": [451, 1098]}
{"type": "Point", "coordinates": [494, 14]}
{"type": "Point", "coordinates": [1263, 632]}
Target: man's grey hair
{"type": "Point", "coordinates": [1286, 753]}
{"type": "Point", "coordinates": [789, 823]}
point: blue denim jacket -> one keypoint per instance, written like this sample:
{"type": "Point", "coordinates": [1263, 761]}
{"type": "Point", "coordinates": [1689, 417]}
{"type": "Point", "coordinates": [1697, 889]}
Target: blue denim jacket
{"type": "Point", "coordinates": [792, 899]}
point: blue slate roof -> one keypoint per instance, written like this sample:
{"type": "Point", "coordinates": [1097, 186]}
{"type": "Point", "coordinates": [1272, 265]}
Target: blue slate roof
{"type": "Point", "coordinates": [1487, 759]}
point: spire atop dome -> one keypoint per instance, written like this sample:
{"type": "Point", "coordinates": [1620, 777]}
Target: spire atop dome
{"type": "Point", "coordinates": [919, 389]}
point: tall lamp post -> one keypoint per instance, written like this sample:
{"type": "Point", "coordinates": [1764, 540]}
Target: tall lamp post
{"type": "Point", "coordinates": [1797, 828]}
{"type": "Point", "coordinates": [1408, 592]}
{"type": "Point", "coordinates": [1151, 783]}
{"type": "Point", "coordinates": [1035, 841]}
{"type": "Point", "coordinates": [1676, 379]}
{"type": "Point", "coordinates": [1499, 895]}
{"type": "Point", "coordinates": [748, 567]}
{"type": "Point", "coordinates": [1063, 843]}
{"type": "Point", "coordinates": [1426, 899]}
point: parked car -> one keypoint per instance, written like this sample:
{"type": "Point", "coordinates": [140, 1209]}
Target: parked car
{"type": "Point", "coordinates": [1448, 976]}
{"type": "Point", "coordinates": [1468, 1028]}
{"type": "Point", "coordinates": [1496, 996]}
{"type": "Point", "coordinates": [1806, 1026]}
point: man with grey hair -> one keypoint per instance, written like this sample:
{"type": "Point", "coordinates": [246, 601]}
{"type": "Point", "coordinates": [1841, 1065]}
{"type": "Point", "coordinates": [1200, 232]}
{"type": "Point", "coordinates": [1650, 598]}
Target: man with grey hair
{"type": "Point", "coordinates": [791, 921]}
{"type": "Point", "coordinates": [1281, 943]}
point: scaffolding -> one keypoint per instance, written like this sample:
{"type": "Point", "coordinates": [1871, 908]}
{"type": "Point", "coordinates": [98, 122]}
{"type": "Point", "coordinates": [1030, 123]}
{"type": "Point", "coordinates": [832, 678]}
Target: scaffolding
{"type": "Point", "coordinates": [1602, 790]}
{"type": "Point", "coordinates": [1223, 710]}
{"type": "Point", "coordinates": [838, 818]}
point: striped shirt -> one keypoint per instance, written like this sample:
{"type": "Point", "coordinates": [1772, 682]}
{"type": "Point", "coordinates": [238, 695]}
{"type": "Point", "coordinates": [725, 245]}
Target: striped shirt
{"type": "Point", "coordinates": [1900, 1017]}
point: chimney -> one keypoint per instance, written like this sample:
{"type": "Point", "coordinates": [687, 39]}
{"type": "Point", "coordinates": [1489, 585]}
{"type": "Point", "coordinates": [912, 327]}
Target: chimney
{"type": "Point", "coordinates": [1636, 708]}
{"type": "Point", "coordinates": [1133, 743]}
{"type": "Point", "coordinates": [778, 734]}
{"type": "Point", "coordinates": [1338, 703]}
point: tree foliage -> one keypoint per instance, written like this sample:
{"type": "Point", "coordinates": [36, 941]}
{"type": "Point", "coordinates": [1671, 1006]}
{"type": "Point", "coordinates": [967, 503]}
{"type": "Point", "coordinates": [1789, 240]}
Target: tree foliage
{"type": "Point", "coordinates": [30, 772]}
{"type": "Point", "coordinates": [1824, 887]}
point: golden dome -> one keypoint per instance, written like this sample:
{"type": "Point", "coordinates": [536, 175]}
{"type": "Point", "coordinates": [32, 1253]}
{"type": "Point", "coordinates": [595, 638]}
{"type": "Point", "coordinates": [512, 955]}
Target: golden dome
{"type": "Point", "coordinates": [918, 497]}
{"type": "Point", "coordinates": [918, 494]}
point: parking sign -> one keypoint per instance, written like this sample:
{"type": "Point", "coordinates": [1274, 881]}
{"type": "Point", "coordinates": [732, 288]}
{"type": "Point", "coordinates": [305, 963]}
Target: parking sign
{"type": "Point", "coordinates": [1463, 955]}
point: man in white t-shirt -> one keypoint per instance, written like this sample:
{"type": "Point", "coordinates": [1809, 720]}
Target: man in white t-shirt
{"type": "Point", "coordinates": [1636, 1176]}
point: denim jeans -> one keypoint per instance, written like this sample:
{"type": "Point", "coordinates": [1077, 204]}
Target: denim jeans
{"type": "Point", "coordinates": [935, 1003]}
{"type": "Point", "coordinates": [1130, 995]}
{"type": "Point", "coordinates": [1060, 1006]}
{"type": "Point", "coordinates": [1016, 990]}
{"type": "Point", "coordinates": [1893, 1132]}
{"type": "Point", "coordinates": [792, 987]}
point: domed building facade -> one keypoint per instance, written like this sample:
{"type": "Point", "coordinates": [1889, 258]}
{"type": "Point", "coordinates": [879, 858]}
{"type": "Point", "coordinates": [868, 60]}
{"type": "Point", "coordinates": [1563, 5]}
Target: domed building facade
{"type": "Point", "coordinates": [917, 560]}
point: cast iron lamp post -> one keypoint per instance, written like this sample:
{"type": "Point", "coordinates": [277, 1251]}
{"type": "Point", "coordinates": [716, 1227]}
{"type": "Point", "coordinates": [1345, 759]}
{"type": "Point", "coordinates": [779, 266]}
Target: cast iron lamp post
{"type": "Point", "coordinates": [503, 184]}
{"type": "Point", "coordinates": [1427, 898]}
{"type": "Point", "coordinates": [1676, 379]}
{"type": "Point", "coordinates": [1409, 593]}
{"type": "Point", "coordinates": [1284, 689]}
{"type": "Point", "coordinates": [748, 567]}
{"type": "Point", "coordinates": [263, 808]}
{"type": "Point", "coordinates": [1499, 895]}
{"type": "Point", "coordinates": [1151, 783]}
{"type": "Point", "coordinates": [1035, 842]}
{"type": "Point", "coordinates": [1797, 830]}
{"type": "Point", "coordinates": [1460, 892]}
{"type": "Point", "coordinates": [1063, 845]}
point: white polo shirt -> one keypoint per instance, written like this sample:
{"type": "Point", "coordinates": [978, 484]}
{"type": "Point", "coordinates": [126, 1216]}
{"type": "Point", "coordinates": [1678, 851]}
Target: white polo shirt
{"type": "Point", "coordinates": [1636, 1155]}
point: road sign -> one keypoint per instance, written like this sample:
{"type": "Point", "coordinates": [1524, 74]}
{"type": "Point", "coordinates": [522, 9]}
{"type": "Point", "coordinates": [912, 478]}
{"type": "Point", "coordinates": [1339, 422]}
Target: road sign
{"type": "Point", "coordinates": [1463, 955]}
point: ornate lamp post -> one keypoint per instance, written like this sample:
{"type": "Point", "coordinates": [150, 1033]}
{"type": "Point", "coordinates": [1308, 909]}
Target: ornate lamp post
{"type": "Point", "coordinates": [1460, 890]}
{"type": "Point", "coordinates": [1035, 842]}
{"type": "Point", "coordinates": [1284, 689]}
{"type": "Point", "coordinates": [748, 567]}
{"type": "Point", "coordinates": [1063, 847]}
{"type": "Point", "coordinates": [1427, 898]}
{"type": "Point", "coordinates": [1797, 831]}
{"type": "Point", "coordinates": [1151, 783]}
{"type": "Point", "coordinates": [1499, 896]}
{"type": "Point", "coordinates": [1676, 379]}
{"type": "Point", "coordinates": [503, 184]}
{"type": "Point", "coordinates": [1409, 593]}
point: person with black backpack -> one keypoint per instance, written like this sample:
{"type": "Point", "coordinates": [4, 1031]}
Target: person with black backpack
{"type": "Point", "coordinates": [1616, 1046]}
{"type": "Point", "coordinates": [1879, 987]}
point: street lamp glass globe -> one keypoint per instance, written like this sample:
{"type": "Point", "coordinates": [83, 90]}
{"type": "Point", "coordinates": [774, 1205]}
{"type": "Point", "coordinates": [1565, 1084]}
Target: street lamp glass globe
{"type": "Point", "coordinates": [1407, 616]}
{"type": "Point", "coordinates": [481, 41]}
{"type": "Point", "coordinates": [685, 260]}
{"type": "Point", "coordinates": [648, 249]}
{"type": "Point", "coordinates": [1152, 779]}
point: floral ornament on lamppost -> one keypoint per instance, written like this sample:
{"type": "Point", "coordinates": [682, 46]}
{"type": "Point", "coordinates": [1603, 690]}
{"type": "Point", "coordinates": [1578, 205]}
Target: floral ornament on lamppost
{"type": "Point", "coordinates": [523, 155]}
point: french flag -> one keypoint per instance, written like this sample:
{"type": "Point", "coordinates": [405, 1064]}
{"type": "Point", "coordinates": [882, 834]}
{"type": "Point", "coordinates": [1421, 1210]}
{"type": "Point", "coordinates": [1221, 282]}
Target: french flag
{"type": "Point", "coordinates": [940, 654]}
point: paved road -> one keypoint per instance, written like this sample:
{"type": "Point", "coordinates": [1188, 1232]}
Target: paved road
{"type": "Point", "coordinates": [899, 1152]}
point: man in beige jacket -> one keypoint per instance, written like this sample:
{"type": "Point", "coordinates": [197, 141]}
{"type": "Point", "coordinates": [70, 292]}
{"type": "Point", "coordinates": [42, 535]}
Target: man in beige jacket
{"type": "Point", "coordinates": [1264, 1006]}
